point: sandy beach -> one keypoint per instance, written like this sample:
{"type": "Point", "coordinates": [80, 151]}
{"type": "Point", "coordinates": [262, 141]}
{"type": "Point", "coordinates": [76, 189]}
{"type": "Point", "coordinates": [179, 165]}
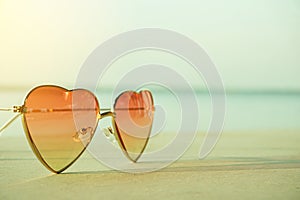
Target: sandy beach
{"type": "Point", "coordinates": [252, 165]}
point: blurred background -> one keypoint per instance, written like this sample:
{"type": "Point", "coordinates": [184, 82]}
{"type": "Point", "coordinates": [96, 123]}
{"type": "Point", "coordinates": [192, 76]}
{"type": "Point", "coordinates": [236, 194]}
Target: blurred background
{"type": "Point", "coordinates": [254, 44]}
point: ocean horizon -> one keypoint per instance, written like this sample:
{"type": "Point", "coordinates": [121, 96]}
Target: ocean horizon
{"type": "Point", "coordinates": [245, 110]}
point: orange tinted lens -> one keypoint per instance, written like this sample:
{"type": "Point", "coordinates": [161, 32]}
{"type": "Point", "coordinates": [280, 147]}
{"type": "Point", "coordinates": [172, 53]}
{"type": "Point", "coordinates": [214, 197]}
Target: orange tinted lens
{"type": "Point", "coordinates": [133, 121]}
{"type": "Point", "coordinates": [60, 123]}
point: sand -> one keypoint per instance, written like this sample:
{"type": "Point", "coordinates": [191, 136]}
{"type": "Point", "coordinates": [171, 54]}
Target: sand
{"type": "Point", "coordinates": [252, 165]}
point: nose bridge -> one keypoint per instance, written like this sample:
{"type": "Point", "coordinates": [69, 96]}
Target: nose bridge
{"type": "Point", "coordinates": [105, 114]}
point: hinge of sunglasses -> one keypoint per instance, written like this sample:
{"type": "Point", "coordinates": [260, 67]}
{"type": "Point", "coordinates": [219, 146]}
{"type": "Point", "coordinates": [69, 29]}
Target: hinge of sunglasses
{"type": "Point", "coordinates": [19, 109]}
{"type": "Point", "coordinates": [14, 109]}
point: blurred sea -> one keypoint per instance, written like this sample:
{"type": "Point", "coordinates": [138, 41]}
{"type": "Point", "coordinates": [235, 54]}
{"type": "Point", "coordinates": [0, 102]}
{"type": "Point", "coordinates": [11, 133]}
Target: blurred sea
{"type": "Point", "coordinates": [245, 111]}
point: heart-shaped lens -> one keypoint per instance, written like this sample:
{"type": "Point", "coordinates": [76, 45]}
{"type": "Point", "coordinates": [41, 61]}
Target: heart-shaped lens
{"type": "Point", "coordinates": [133, 121]}
{"type": "Point", "coordinates": [59, 124]}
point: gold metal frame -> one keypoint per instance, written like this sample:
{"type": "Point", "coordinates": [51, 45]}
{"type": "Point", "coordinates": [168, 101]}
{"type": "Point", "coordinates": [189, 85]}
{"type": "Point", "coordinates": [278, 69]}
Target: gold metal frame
{"type": "Point", "coordinates": [20, 110]}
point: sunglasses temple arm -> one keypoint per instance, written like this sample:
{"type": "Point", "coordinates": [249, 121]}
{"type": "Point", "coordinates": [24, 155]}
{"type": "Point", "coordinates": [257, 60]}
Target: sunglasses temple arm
{"type": "Point", "coordinates": [9, 122]}
{"type": "Point", "coordinates": [15, 109]}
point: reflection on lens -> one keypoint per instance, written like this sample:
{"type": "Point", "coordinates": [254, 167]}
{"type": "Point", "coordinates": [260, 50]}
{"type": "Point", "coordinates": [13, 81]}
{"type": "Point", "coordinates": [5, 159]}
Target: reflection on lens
{"type": "Point", "coordinates": [60, 124]}
{"type": "Point", "coordinates": [133, 121]}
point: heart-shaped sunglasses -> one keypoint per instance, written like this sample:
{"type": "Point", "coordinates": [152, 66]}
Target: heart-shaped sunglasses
{"type": "Point", "coordinates": [60, 123]}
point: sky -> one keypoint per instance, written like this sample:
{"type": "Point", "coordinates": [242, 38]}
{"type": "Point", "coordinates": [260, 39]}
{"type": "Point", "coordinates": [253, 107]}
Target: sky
{"type": "Point", "coordinates": [254, 44]}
